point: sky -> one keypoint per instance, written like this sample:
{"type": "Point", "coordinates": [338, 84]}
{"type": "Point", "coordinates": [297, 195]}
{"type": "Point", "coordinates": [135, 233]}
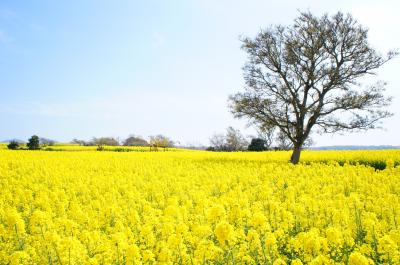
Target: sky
{"type": "Point", "coordinates": [91, 68]}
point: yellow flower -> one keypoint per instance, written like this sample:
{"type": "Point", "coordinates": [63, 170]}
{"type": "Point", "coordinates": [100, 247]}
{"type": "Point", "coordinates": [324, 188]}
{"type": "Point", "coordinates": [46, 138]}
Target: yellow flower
{"type": "Point", "coordinates": [224, 232]}
{"type": "Point", "coordinates": [357, 259]}
{"type": "Point", "coordinates": [133, 254]}
{"type": "Point", "coordinates": [270, 241]}
{"type": "Point", "coordinates": [259, 220]}
{"type": "Point", "coordinates": [19, 258]}
{"type": "Point", "coordinates": [148, 256]}
{"type": "Point", "coordinates": [216, 213]}
{"type": "Point", "coordinates": [334, 236]}
{"type": "Point", "coordinates": [198, 207]}
{"type": "Point", "coordinates": [14, 221]}
{"type": "Point", "coordinates": [279, 261]}
{"type": "Point", "coordinates": [296, 262]}
{"type": "Point", "coordinates": [321, 260]}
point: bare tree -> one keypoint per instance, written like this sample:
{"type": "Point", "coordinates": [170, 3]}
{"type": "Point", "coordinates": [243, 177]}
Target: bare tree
{"type": "Point", "coordinates": [102, 141]}
{"type": "Point", "coordinates": [233, 140]}
{"type": "Point", "coordinates": [133, 140]}
{"type": "Point", "coordinates": [218, 142]}
{"type": "Point", "coordinates": [306, 76]}
{"type": "Point", "coordinates": [160, 141]}
{"type": "Point", "coordinates": [79, 142]}
{"type": "Point", "coordinates": [45, 141]}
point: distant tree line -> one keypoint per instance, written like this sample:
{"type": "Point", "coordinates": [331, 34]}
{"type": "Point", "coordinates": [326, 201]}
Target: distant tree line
{"type": "Point", "coordinates": [233, 140]}
{"type": "Point", "coordinates": [230, 141]}
{"type": "Point", "coordinates": [154, 143]}
{"type": "Point", "coordinates": [34, 143]}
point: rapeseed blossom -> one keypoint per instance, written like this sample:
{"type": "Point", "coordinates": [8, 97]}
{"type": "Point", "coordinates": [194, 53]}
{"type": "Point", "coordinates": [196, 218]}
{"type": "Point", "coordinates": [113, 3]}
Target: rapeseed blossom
{"type": "Point", "coordinates": [194, 207]}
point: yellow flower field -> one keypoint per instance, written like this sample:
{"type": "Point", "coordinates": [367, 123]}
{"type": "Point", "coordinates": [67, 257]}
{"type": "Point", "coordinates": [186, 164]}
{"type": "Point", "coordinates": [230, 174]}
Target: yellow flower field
{"type": "Point", "coordinates": [195, 207]}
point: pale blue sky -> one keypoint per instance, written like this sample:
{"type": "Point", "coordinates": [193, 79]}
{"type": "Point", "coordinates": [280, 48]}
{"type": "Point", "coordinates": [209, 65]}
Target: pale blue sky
{"type": "Point", "coordinates": [113, 68]}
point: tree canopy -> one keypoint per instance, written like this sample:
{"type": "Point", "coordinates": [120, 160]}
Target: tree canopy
{"type": "Point", "coordinates": [135, 141]}
{"type": "Point", "coordinates": [33, 143]}
{"type": "Point", "coordinates": [306, 77]}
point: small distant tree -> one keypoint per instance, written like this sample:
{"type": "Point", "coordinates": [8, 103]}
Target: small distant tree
{"type": "Point", "coordinates": [33, 143]}
{"type": "Point", "coordinates": [160, 141]}
{"type": "Point", "coordinates": [100, 147]}
{"type": "Point", "coordinates": [109, 141]}
{"type": "Point", "coordinates": [166, 143]}
{"type": "Point", "coordinates": [233, 140]}
{"type": "Point", "coordinates": [13, 145]}
{"type": "Point", "coordinates": [210, 148]}
{"type": "Point", "coordinates": [135, 141]}
{"type": "Point", "coordinates": [257, 145]}
{"type": "Point", "coordinates": [46, 142]}
{"type": "Point", "coordinates": [79, 142]}
{"type": "Point", "coordinates": [218, 143]}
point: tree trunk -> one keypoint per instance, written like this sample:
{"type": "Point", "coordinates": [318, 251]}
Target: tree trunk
{"type": "Point", "coordinates": [294, 159]}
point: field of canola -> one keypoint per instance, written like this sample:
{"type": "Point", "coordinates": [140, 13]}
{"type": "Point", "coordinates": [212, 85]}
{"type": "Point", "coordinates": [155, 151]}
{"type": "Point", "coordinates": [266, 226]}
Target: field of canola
{"type": "Point", "coordinates": [195, 207]}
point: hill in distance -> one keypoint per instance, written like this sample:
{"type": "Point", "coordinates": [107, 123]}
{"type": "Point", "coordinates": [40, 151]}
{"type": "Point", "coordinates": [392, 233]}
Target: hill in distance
{"type": "Point", "coordinates": [355, 147]}
{"type": "Point", "coordinates": [16, 140]}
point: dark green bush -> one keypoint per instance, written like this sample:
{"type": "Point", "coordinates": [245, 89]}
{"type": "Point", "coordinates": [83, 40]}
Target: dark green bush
{"type": "Point", "coordinates": [13, 145]}
{"type": "Point", "coordinates": [33, 143]}
{"type": "Point", "coordinates": [100, 147]}
{"type": "Point", "coordinates": [257, 144]}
